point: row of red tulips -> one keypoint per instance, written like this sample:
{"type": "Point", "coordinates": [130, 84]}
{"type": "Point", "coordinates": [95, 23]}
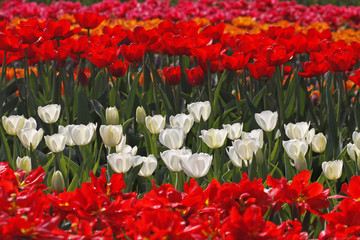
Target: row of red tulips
{"type": "Point", "coordinates": [215, 11]}
{"type": "Point", "coordinates": [101, 209]}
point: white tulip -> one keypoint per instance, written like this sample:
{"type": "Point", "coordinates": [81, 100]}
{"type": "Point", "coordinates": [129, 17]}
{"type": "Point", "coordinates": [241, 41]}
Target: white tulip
{"type": "Point", "coordinates": [30, 136]}
{"type": "Point", "coordinates": [234, 158]}
{"type": "Point", "coordinates": [129, 149]}
{"type": "Point", "coordinates": [257, 134]}
{"type": "Point", "coordinates": [112, 116]}
{"type": "Point", "coordinates": [319, 143]}
{"type": "Point", "coordinates": [66, 132]}
{"type": "Point", "coordinates": [214, 138]}
{"type": "Point", "coordinates": [30, 123]}
{"type": "Point", "coordinates": [81, 134]}
{"type": "Point", "coordinates": [93, 127]}
{"type": "Point", "coordinates": [120, 162]}
{"type": "Point", "coordinates": [149, 165]}
{"type": "Point", "coordinates": [297, 131]}
{"type": "Point", "coordinates": [267, 120]}
{"type": "Point", "coordinates": [57, 181]}
{"type": "Point", "coordinates": [120, 147]}
{"type": "Point", "coordinates": [300, 163]}
{"type": "Point", "coordinates": [111, 134]}
{"type": "Point", "coordinates": [197, 165]}
{"type": "Point", "coordinates": [49, 113]}
{"type": "Point", "coordinates": [353, 151]}
{"type": "Point", "coordinates": [199, 110]}
{"type": "Point", "coordinates": [295, 147]}
{"type": "Point", "coordinates": [155, 123]}
{"type": "Point", "coordinates": [183, 121]}
{"type": "Point", "coordinates": [246, 148]}
{"type": "Point", "coordinates": [24, 163]}
{"type": "Point", "coordinates": [234, 130]}
{"type": "Point", "coordinates": [333, 169]}
{"type": "Point", "coordinates": [172, 158]}
{"type": "Point", "coordinates": [172, 138]}
{"type": "Point", "coordinates": [56, 143]}
{"type": "Point", "coordinates": [13, 124]}
{"type": "Point", "coordinates": [140, 115]}
{"type": "Point", "coordinates": [310, 136]}
{"type": "Point", "coordinates": [356, 139]}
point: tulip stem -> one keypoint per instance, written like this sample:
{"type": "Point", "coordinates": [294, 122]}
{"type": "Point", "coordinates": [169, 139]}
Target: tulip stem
{"type": "Point", "coordinates": [217, 164]}
{"type": "Point", "coordinates": [3, 74]}
{"type": "Point", "coordinates": [332, 187]}
{"type": "Point", "coordinates": [211, 98]}
{"type": "Point", "coordinates": [280, 97]}
{"type": "Point", "coordinates": [269, 137]}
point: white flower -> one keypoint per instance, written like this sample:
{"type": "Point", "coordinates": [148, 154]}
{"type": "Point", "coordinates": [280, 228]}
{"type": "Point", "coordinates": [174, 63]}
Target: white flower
{"type": "Point", "coordinates": [235, 159]}
{"type": "Point", "coordinates": [13, 124]}
{"type": "Point", "coordinates": [57, 181]}
{"type": "Point", "coordinates": [24, 163]}
{"type": "Point", "coordinates": [82, 134]}
{"type": "Point", "coordinates": [155, 123]}
{"type": "Point", "coordinates": [30, 136]}
{"type": "Point", "coordinates": [120, 147]}
{"type": "Point", "coordinates": [214, 138]}
{"type": "Point", "coordinates": [112, 116]}
{"type": "Point", "coordinates": [120, 162]}
{"type": "Point", "coordinates": [30, 123]}
{"type": "Point", "coordinates": [356, 139]}
{"type": "Point", "coordinates": [172, 158]}
{"type": "Point", "coordinates": [129, 149]}
{"type": "Point", "coordinates": [300, 163]}
{"type": "Point", "coordinates": [353, 151]}
{"type": "Point", "coordinates": [199, 110]}
{"type": "Point", "coordinates": [92, 127]}
{"type": "Point", "coordinates": [257, 134]}
{"type": "Point", "coordinates": [234, 131]}
{"type": "Point", "coordinates": [295, 147]}
{"type": "Point", "coordinates": [333, 169]}
{"type": "Point", "coordinates": [66, 132]}
{"type": "Point", "coordinates": [140, 115]}
{"type": "Point", "coordinates": [310, 136]}
{"type": "Point", "coordinates": [183, 121]}
{"type": "Point", "coordinates": [266, 120]}
{"type": "Point", "coordinates": [148, 167]}
{"type": "Point", "coordinates": [49, 113]}
{"type": "Point", "coordinates": [56, 142]}
{"type": "Point", "coordinates": [297, 131]}
{"type": "Point", "coordinates": [246, 148]}
{"type": "Point", "coordinates": [197, 165]}
{"type": "Point", "coordinates": [111, 134]}
{"type": "Point", "coordinates": [172, 138]}
{"type": "Point", "coordinates": [319, 143]}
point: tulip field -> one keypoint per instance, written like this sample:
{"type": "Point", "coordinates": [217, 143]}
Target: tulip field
{"type": "Point", "coordinates": [179, 120]}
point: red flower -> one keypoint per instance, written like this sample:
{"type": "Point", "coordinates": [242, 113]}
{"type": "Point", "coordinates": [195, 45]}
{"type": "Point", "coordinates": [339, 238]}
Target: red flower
{"type": "Point", "coordinates": [339, 61]}
{"type": "Point", "coordinates": [172, 75]}
{"type": "Point", "coordinates": [49, 50]}
{"type": "Point", "coordinates": [214, 66]}
{"type": "Point", "coordinates": [313, 69]}
{"type": "Point", "coordinates": [88, 20]}
{"type": "Point", "coordinates": [274, 55]}
{"type": "Point", "coordinates": [214, 31]}
{"type": "Point", "coordinates": [133, 52]}
{"type": "Point", "coordinates": [208, 53]}
{"type": "Point", "coordinates": [58, 29]}
{"type": "Point", "coordinates": [195, 76]}
{"type": "Point", "coordinates": [260, 71]}
{"type": "Point", "coordinates": [235, 62]}
{"type": "Point", "coordinates": [353, 189]}
{"type": "Point", "coordinates": [102, 56]}
{"type": "Point", "coordinates": [118, 68]}
{"type": "Point", "coordinates": [10, 43]}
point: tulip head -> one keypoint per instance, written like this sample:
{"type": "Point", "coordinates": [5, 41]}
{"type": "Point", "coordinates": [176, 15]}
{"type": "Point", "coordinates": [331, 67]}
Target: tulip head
{"type": "Point", "coordinates": [196, 165]}
{"type": "Point", "coordinates": [172, 158]}
{"type": "Point", "coordinates": [56, 143]}
{"type": "Point", "coordinates": [267, 120]}
{"type": "Point", "coordinates": [30, 137]}
{"type": "Point", "coordinates": [246, 148]}
{"type": "Point", "coordinates": [24, 163]}
{"type": "Point", "coordinates": [120, 162]}
{"type": "Point", "coordinates": [233, 131]}
{"type": "Point", "coordinates": [112, 116]}
{"type": "Point", "coordinates": [333, 169]}
{"type": "Point", "coordinates": [148, 167]}
{"type": "Point", "coordinates": [183, 121]}
{"type": "Point", "coordinates": [13, 124]}
{"type": "Point", "coordinates": [172, 138]}
{"type": "Point", "coordinates": [214, 138]}
{"type": "Point", "coordinates": [140, 115]}
{"type": "Point", "coordinates": [318, 143]}
{"type": "Point", "coordinates": [155, 123]}
{"type": "Point", "coordinates": [199, 110]}
{"type": "Point", "coordinates": [297, 131]}
{"type": "Point", "coordinates": [49, 113]}
{"type": "Point", "coordinates": [57, 181]}
{"type": "Point", "coordinates": [111, 134]}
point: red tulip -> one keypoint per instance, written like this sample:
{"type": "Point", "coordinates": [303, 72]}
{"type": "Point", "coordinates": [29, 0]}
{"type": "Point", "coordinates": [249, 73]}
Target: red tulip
{"type": "Point", "coordinates": [208, 53]}
{"type": "Point", "coordinates": [10, 43]}
{"type": "Point", "coordinates": [118, 68]}
{"type": "Point", "coordinates": [339, 61]}
{"type": "Point", "coordinates": [235, 62]}
{"type": "Point", "coordinates": [274, 55]}
{"type": "Point", "coordinates": [260, 71]}
{"type": "Point", "coordinates": [214, 31]}
{"type": "Point", "coordinates": [58, 29]}
{"type": "Point", "coordinates": [133, 53]}
{"type": "Point", "coordinates": [88, 20]}
{"type": "Point", "coordinates": [313, 69]}
{"type": "Point", "coordinates": [102, 56]}
{"type": "Point", "coordinates": [172, 75]}
{"type": "Point", "coordinates": [195, 76]}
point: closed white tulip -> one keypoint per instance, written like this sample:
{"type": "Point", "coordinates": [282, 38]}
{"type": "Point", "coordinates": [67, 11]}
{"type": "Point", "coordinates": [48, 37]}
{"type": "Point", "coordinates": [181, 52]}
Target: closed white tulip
{"type": "Point", "coordinates": [172, 138]}
{"type": "Point", "coordinates": [56, 143]}
{"type": "Point", "coordinates": [246, 148]}
{"type": "Point", "coordinates": [120, 162]}
{"type": "Point", "coordinates": [353, 151]}
{"type": "Point", "coordinates": [333, 169]}
{"type": "Point", "coordinates": [233, 156]}
{"type": "Point", "coordinates": [257, 134]}
{"type": "Point", "coordinates": [120, 147]}
{"type": "Point", "coordinates": [93, 127]}
{"type": "Point", "coordinates": [234, 130]}
{"type": "Point", "coordinates": [172, 158]}
{"type": "Point", "coordinates": [49, 113]}
{"type": "Point", "coordinates": [111, 134]}
{"type": "Point", "coordinates": [183, 121]}
{"type": "Point", "coordinates": [310, 136]}
{"type": "Point", "coordinates": [300, 163]}
{"type": "Point", "coordinates": [214, 138]}
{"type": "Point", "coordinates": [129, 149]}
{"type": "Point", "coordinates": [155, 123]}
{"type": "Point", "coordinates": [13, 124]}
{"type": "Point", "coordinates": [140, 115]}
{"type": "Point", "coordinates": [30, 136]}
{"type": "Point", "coordinates": [24, 163]}
{"type": "Point", "coordinates": [267, 120]}
{"type": "Point", "coordinates": [356, 139]}
{"type": "Point", "coordinates": [65, 130]}
{"type": "Point", "coordinates": [57, 181]}
{"type": "Point", "coordinates": [319, 143]}
{"type": "Point", "coordinates": [112, 116]}
{"type": "Point", "coordinates": [297, 131]}
{"type": "Point", "coordinates": [30, 123]}
{"type": "Point", "coordinates": [81, 134]}
{"type": "Point", "coordinates": [199, 110]}
{"type": "Point", "coordinates": [295, 147]}
{"type": "Point", "coordinates": [197, 165]}
{"type": "Point", "coordinates": [148, 167]}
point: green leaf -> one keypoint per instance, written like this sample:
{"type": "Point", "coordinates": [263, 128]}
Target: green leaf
{"type": "Point", "coordinates": [217, 91]}
{"type": "Point", "coordinates": [130, 102]}
{"type": "Point", "coordinates": [168, 108]}
{"type": "Point", "coordinates": [99, 109]}
{"type": "Point", "coordinates": [74, 183]}
{"type": "Point", "coordinates": [83, 112]}
{"type": "Point", "coordinates": [332, 147]}
{"type": "Point", "coordinates": [131, 177]}
{"type": "Point", "coordinates": [5, 145]}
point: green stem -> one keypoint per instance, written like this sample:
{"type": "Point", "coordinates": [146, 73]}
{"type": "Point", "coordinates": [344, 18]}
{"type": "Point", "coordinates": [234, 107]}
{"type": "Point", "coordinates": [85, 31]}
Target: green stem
{"type": "Point", "coordinates": [217, 164]}
{"type": "Point", "coordinates": [269, 137]}
{"type": "Point", "coordinates": [279, 90]}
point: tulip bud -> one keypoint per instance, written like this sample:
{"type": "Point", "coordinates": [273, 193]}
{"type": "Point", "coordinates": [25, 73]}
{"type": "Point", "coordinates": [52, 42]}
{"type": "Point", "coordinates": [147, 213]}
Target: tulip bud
{"type": "Point", "coordinates": [111, 134]}
{"type": "Point", "coordinates": [356, 139]}
{"type": "Point", "coordinates": [172, 158]}
{"type": "Point", "coordinates": [233, 131]}
{"type": "Point", "coordinates": [24, 163]}
{"type": "Point", "coordinates": [56, 142]}
{"type": "Point", "coordinates": [49, 113]}
{"type": "Point", "coordinates": [112, 116]}
{"type": "Point", "coordinates": [172, 138]}
{"type": "Point", "coordinates": [319, 143]}
{"type": "Point", "coordinates": [82, 134]}
{"type": "Point", "coordinates": [197, 165]}
{"type": "Point", "coordinates": [333, 169]}
{"type": "Point", "coordinates": [120, 162]}
{"type": "Point", "coordinates": [199, 110]}
{"type": "Point", "coordinates": [57, 181]}
{"type": "Point", "coordinates": [183, 121]}
{"type": "Point", "coordinates": [155, 123]}
{"type": "Point", "coordinates": [246, 148]}
{"type": "Point", "coordinates": [266, 120]}
{"type": "Point", "coordinates": [148, 167]}
{"type": "Point", "coordinates": [214, 138]}
{"type": "Point", "coordinates": [13, 124]}
{"type": "Point", "coordinates": [30, 136]}
{"type": "Point", "coordinates": [140, 115]}
{"type": "Point", "coordinates": [297, 131]}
